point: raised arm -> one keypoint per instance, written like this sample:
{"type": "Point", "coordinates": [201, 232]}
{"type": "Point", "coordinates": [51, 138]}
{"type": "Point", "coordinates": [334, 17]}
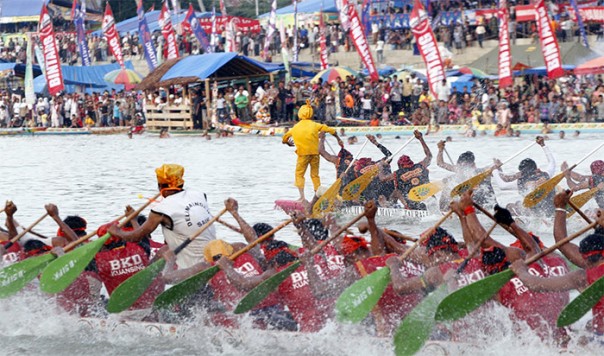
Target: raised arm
{"type": "Point", "coordinates": [426, 161]}
{"type": "Point", "coordinates": [53, 212]}
{"type": "Point", "coordinates": [574, 180]}
{"type": "Point", "coordinates": [440, 161]}
{"type": "Point", "coordinates": [551, 161]}
{"type": "Point", "coordinates": [386, 152]}
{"type": "Point", "coordinates": [10, 209]}
{"type": "Point", "coordinates": [378, 247]}
{"type": "Point", "coordinates": [248, 232]}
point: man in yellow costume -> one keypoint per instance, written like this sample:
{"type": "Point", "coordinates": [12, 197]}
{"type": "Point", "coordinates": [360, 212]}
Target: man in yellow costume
{"type": "Point", "coordinates": [305, 136]}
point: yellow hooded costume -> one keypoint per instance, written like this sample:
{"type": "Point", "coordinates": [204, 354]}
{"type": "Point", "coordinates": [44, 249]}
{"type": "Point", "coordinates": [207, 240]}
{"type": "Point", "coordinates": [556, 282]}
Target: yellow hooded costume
{"type": "Point", "coordinates": [306, 138]}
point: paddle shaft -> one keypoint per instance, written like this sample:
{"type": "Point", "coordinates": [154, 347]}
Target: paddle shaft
{"type": "Point", "coordinates": [205, 226]}
{"type": "Point", "coordinates": [234, 228]}
{"type": "Point", "coordinates": [487, 213]}
{"type": "Point", "coordinates": [476, 248]}
{"type": "Point", "coordinates": [70, 246]}
{"type": "Point", "coordinates": [22, 233]}
{"type": "Point", "coordinates": [586, 156]}
{"type": "Point", "coordinates": [324, 243]}
{"type": "Point", "coordinates": [355, 157]}
{"type": "Point", "coordinates": [449, 156]}
{"type": "Point", "coordinates": [425, 236]}
{"type": "Point", "coordinates": [400, 149]}
{"type": "Point", "coordinates": [518, 153]}
{"type": "Point", "coordinates": [576, 208]}
{"type": "Point", "coordinates": [562, 242]}
{"type": "Point", "coordinates": [260, 240]}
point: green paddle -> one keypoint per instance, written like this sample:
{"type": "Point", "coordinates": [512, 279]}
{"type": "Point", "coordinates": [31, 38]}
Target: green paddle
{"type": "Point", "coordinates": [265, 288]}
{"type": "Point", "coordinates": [582, 304]}
{"type": "Point", "coordinates": [63, 271]}
{"type": "Point", "coordinates": [463, 301]}
{"type": "Point", "coordinates": [359, 299]}
{"type": "Point", "coordinates": [417, 326]}
{"type": "Point", "coordinates": [184, 289]}
{"type": "Point", "coordinates": [128, 292]}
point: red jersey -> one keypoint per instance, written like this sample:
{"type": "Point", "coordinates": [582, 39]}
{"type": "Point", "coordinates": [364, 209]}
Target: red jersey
{"type": "Point", "coordinates": [116, 265]}
{"type": "Point", "coordinates": [555, 266]}
{"type": "Point", "coordinates": [593, 274]}
{"type": "Point", "coordinates": [329, 262]}
{"type": "Point", "coordinates": [392, 306]}
{"type": "Point", "coordinates": [228, 294]}
{"type": "Point", "coordinates": [155, 246]}
{"type": "Point", "coordinates": [296, 294]}
{"type": "Point", "coordinates": [13, 254]}
{"type": "Point", "coordinates": [81, 295]}
{"type": "Point", "coordinates": [471, 273]}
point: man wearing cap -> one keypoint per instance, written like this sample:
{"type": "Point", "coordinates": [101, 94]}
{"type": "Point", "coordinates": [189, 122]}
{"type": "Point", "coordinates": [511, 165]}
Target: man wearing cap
{"type": "Point", "coordinates": [181, 213]}
{"type": "Point", "coordinates": [305, 136]}
{"type": "Point", "coordinates": [577, 181]}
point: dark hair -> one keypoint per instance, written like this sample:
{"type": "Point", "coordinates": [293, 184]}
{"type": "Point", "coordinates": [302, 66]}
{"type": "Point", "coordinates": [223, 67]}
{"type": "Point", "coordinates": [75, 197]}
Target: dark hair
{"type": "Point", "coordinates": [33, 245]}
{"type": "Point", "coordinates": [466, 157]}
{"type": "Point", "coordinates": [527, 165]}
{"type": "Point", "coordinates": [316, 228]}
{"type": "Point", "coordinates": [77, 224]}
{"type": "Point", "coordinates": [441, 239]}
{"type": "Point", "coordinates": [261, 228]}
{"type": "Point", "coordinates": [495, 256]}
{"type": "Point", "coordinates": [593, 242]}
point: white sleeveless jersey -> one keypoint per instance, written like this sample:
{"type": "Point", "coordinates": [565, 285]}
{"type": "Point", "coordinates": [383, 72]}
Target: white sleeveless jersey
{"type": "Point", "coordinates": [188, 211]}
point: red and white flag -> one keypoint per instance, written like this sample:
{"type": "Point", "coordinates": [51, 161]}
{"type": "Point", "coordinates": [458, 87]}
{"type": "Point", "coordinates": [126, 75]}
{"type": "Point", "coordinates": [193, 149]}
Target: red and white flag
{"type": "Point", "coordinates": [110, 33]}
{"type": "Point", "coordinates": [324, 55]}
{"type": "Point", "coordinates": [357, 33]}
{"type": "Point", "coordinates": [428, 47]}
{"type": "Point", "coordinates": [165, 24]}
{"type": "Point", "coordinates": [52, 64]}
{"type": "Point", "coordinates": [505, 55]}
{"type": "Point", "coordinates": [549, 43]}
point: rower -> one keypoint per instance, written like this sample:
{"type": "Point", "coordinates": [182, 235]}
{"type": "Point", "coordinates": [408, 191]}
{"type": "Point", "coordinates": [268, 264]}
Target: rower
{"type": "Point", "coordinates": [578, 182]}
{"type": "Point", "coordinates": [14, 253]}
{"type": "Point", "coordinates": [180, 214]}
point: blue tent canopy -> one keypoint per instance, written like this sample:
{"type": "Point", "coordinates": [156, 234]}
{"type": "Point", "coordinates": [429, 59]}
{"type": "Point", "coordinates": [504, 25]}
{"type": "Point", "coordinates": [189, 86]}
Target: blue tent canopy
{"type": "Point", "coordinates": [20, 8]}
{"type": "Point", "coordinates": [131, 25]}
{"type": "Point", "coordinates": [307, 6]}
{"type": "Point", "coordinates": [19, 68]}
{"type": "Point", "coordinates": [218, 65]}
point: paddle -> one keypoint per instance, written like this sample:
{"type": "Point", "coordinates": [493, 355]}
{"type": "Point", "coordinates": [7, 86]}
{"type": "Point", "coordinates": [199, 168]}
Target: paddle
{"type": "Point", "coordinates": [488, 214]}
{"type": "Point", "coordinates": [128, 292]}
{"type": "Point", "coordinates": [357, 301]}
{"type": "Point", "coordinates": [265, 288]}
{"type": "Point", "coordinates": [353, 190]}
{"type": "Point", "coordinates": [425, 191]}
{"type": "Point", "coordinates": [578, 210]}
{"type": "Point", "coordinates": [189, 286]}
{"type": "Point", "coordinates": [325, 203]}
{"type": "Point", "coordinates": [580, 199]}
{"type": "Point", "coordinates": [22, 233]}
{"type": "Point", "coordinates": [234, 228]}
{"type": "Point", "coordinates": [539, 193]}
{"type": "Point", "coordinates": [63, 271]}
{"type": "Point", "coordinates": [477, 179]}
{"type": "Point", "coordinates": [465, 300]}
{"type": "Point", "coordinates": [417, 326]}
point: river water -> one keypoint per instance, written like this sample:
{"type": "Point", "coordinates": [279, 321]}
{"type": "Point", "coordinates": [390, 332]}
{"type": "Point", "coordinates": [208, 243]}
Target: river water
{"type": "Point", "coordinates": [96, 176]}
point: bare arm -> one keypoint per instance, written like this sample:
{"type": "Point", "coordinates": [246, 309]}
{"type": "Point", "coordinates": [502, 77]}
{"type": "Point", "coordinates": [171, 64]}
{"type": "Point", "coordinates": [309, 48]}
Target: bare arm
{"type": "Point", "coordinates": [10, 210]}
{"type": "Point", "coordinates": [378, 247]}
{"type": "Point", "coordinates": [426, 161]}
{"type": "Point", "coordinates": [440, 161]}
{"type": "Point", "coordinates": [503, 181]}
{"type": "Point", "coordinates": [569, 250]}
{"type": "Point", "coordinates": [248, 232]}
{"type": "Point", "coordinates": [404, 285]}
{"type": "Point", "coordinates": [244, 283]}
{"type": "Point", "coordinates": [154, 220]}
{"type": "Point", "coordinates": [53, 212]}
{"type": "Point", "coordinates": [328, 156]}
{"type": "Point", "coordinates": [572, 280]}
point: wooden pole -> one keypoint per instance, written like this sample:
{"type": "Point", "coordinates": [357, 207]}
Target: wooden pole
{"type": "Point", "coordinates": [204, 124]}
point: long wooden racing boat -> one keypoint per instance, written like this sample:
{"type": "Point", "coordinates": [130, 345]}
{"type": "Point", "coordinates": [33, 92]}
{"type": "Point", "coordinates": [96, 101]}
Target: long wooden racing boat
{"type": "Point", "coordinates": [64, 131]}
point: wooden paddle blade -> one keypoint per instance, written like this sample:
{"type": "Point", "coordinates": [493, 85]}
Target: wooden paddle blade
{"type": "Point", "coordinates": [417, 326]}
{"type": "Point", "coordinates": [256, 295]}
{"type": "Point", "coordinates": [425, 191]}
{"type": "Point", "coordinates": [470, 183]}
{"type": "Point", "coordinates": [537, 195]}
{"type": "Point", "coordinates": [581, 199]}
{"type": "Point", "coordinates": [465, 300]}
{"type": "Point", "coordinates": [354, 189]}
{"type": "Point", "coordinates": [16, 276]}
{"type": "Point", "coordinates": [325, 203]}
{"type": "Point", "coordinates": [357, 301]}
{"type": "Point", "coordinates": [181, 291]}
{"type": "Point", "coordinates": [62, 272]}
{"type": "Point", "coordinates": [582, 304]}
{"type": "Point", "coordinates": [132, 288]}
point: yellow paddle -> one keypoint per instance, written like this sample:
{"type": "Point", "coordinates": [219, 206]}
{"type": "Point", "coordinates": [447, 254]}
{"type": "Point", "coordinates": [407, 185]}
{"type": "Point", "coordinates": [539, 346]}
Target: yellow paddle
{"type": "Point", "coordinates": [325, 203]}
{"type": "Point", "coordinates": [534, 197]}
{"type": "Point", "coordinates": [425, 191]}
{"type": "Point", "coordinates": [477, 179]}
{"type": "Point", "coordinates": [581, 199]}
{"type": "Point", "coordinates": [354, 189]}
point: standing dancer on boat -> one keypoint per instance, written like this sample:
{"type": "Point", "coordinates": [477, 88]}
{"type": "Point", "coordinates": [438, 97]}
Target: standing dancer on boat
{"type": "Point", "coordinates": [305, 137]}
{"type": "Point", "coordinates": [180, 214]}
{"type": "Point", "coordinates": [527, 179]}
{"type": "Point", "coordinates": [410, 175]}
{"type": "Point", "coordinates": [577, 181]}
{"type": "Point", "coordinates": [465, 168]}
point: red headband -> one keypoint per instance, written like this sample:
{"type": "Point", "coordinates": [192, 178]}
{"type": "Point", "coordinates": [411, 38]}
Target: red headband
{"type": "Point", "coordinates": [350, 244]}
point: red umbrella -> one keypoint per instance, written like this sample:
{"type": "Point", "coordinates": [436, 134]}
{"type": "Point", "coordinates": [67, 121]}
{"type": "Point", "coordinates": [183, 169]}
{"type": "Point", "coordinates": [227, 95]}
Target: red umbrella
{"type": "Point", "coordinates": [595, 66]}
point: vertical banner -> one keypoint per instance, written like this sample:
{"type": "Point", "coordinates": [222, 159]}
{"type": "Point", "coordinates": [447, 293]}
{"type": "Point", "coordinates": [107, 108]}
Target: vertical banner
{"type": "Point", "coordinates": [284, 52]}
{"type": "Point", "coordinates": [427, 45]}
{"type": "Point", "coordinates": [272, 28]}
{"type": "Point", "coordinates": [573, 3]}
{"type": "Point", "coordinates": [30, 95]}
{"type": "Point", "coordinates": [110, 33]}
{"type": "Point", "coordinates": [358, 38]}
{"type": "Point", "coordinates": [80, 16]}
{"type": "Point", "coordinates": [167, 31]}
{"type": "Point", "coordinates": [295, 44]}
{"type": "Point", "coordinates": [323, 54]}
{"type": "Point", "coordinates": [54, 75]}
{"type": "Point", "coordinates": [197, 30]}
{"type": "Point", "coordinates": [342, 6]}
{"type": "Point", "coordinates": [549, 43]}
{"type": "Point", "coordinates": [505, 55]}
{"type": "Point", "coordinates": [213, 34]}
{"type": "Point", "coordinates": [145, 38]}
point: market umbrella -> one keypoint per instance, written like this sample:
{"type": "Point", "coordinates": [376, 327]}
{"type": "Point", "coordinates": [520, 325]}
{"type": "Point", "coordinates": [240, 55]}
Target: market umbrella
{"type": "Point", "coordinates": [473, 71]}
{"type": "Point", "coordinates": [123, 76]}
{"type": "Point", "coordinates": [595, 66]}
{"type": "Point", "coordinates": [330, 74]}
